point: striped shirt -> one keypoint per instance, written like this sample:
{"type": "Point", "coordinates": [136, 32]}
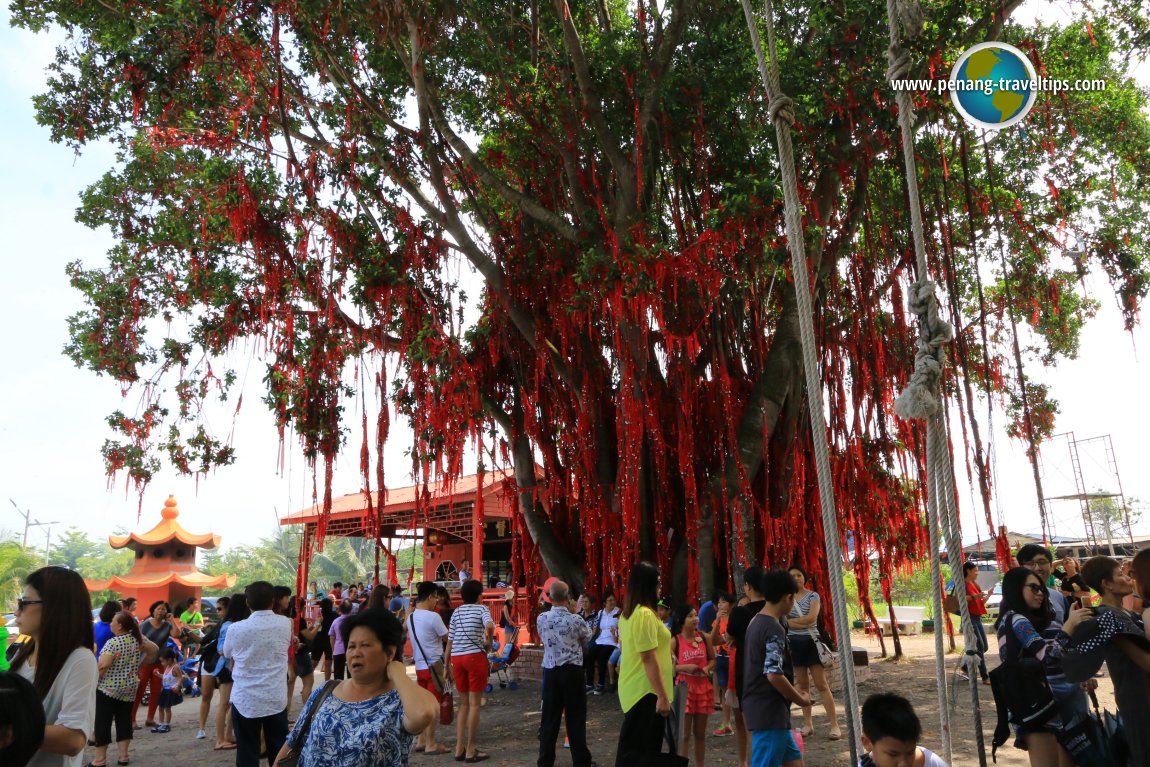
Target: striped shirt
{"type": "Point", "coordinates": [802, 609]}
{"type": "Point", "coordinates": [468, 629]}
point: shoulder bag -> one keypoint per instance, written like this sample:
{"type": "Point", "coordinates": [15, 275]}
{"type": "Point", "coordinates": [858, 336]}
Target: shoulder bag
{"type": "Point", "coordinates": [438, 669]}
{"type": "Point", "coordinates": [824, 643]}
{"type": "Point", "coordinates": [291, 758]}
{"type": "Point", "coordinates": [950, 602]}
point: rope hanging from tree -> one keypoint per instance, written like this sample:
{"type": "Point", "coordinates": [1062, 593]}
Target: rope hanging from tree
{"type": "Point", "coordinates": [921, 399]}
{"type": "Point", "coordinates": [782, 116]}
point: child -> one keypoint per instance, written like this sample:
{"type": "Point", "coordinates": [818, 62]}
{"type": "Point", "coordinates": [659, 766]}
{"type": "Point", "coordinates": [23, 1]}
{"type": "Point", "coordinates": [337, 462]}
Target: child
{"type": "Point", "coordinates": [723, 668]}
{"type": "Point", "coordinates": [171, 693]}
{"type": "Point", "coordinates": [663, 612]}
{"type": "Point", "coordinates": [890, 734]}
{"type": "Point", "coordinates": [768, 676]}
{"type": "Point", "coordinates": [694, 661]}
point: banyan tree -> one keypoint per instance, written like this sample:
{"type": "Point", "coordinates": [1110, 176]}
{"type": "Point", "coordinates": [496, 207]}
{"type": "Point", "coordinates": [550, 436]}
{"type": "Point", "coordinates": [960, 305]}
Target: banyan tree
{"type": "Point", "coordinates": [554, 231]}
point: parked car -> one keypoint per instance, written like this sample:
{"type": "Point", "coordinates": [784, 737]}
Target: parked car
{"type": "Point", "coordinates": [995, 601]}
{"type": "Point", "coordinates": [208, 610]}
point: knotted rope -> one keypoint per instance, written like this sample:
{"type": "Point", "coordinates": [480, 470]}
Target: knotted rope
{"type": "Point", "coordinates": [781, 112]}
{"type": "Point", "coordinates": [922, 398]}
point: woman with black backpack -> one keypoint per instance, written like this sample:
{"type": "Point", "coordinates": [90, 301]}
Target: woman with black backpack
{"type": "Point", "coordinates": [1044, 706]}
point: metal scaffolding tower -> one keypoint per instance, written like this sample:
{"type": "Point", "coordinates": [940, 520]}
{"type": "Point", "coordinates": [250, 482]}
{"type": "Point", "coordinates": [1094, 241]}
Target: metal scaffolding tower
{"type": "Point", "coordinates": [1101, 473]}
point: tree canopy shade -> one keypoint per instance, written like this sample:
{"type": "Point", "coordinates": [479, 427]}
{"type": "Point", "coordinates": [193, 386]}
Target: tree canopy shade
{"type": "Point", "coordinates": [322, 177]}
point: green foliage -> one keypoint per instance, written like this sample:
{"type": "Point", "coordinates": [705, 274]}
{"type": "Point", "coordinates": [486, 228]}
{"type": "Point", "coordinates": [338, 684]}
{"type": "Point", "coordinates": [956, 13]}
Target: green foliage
{"type": "Point", "coordinates": [15, 564]}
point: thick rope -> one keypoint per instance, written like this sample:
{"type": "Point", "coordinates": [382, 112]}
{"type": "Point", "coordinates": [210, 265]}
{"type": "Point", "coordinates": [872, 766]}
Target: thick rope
{"type": "Point", "coordinates": [781, 113]}
{"type": "Point", "coordinates": [922, 398]}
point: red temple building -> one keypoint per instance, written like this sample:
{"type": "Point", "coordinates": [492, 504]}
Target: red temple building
{"type": "Point", "coordinates": [165, 566]}
{"type": "Point", "coordinates": [471, 520]}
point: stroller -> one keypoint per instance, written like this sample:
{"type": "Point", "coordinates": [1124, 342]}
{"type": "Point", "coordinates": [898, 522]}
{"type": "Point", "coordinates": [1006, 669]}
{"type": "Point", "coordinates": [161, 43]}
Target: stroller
{"type": "Point", "coordinates": [501, 659]}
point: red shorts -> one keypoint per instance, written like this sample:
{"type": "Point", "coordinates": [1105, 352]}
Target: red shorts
{"type": "Point", "coordinates": [470, 671]}
{"type": "Point", "coordinates": [423, 678]}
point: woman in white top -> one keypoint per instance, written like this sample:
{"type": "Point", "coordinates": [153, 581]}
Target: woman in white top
{"type": "Point", "coordinates": [802, 630]}
{"type": "Point", "coordinates": [55, 612]}
{"type": "Point", "coordinates": [605, 643]}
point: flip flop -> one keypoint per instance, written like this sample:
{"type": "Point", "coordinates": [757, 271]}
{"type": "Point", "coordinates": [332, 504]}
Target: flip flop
{"type": "Point", "coordinates": [417, 750]}
{"type": "Point", "coordinates": [441, 749]}
{"type": "Point", "coordinates": [225, 747]}
{"type": "Point", "coordinates": [479, 757]}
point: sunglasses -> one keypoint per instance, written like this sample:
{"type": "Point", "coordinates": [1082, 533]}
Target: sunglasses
{"type": "Point", "coordinates": [22, 603]}
{"type": "Point", "coordinates": [1036, 588]}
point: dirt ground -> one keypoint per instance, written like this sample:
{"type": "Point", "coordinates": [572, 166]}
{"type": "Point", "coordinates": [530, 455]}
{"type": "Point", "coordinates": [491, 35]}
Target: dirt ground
{"type": "Point", "coordinates": [510, 721]}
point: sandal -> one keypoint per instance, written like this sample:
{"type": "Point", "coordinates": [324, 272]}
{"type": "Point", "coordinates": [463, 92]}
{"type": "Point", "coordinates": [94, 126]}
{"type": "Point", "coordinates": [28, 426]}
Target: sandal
{"type": "Point", "coordinates": [808, 731]}
{"type": "Point", "coordinates": [224, 746]}
{"type": "Point", "coordinates": [836, 734]}
{"type": "Point", "coordinates": [123, 762]}
{"type": "Point", "coordinates": [417, 750]}
{"type": "Point", "coordinates": [479, 757]}
{"type": "Point", "coordinates": [439, 749]}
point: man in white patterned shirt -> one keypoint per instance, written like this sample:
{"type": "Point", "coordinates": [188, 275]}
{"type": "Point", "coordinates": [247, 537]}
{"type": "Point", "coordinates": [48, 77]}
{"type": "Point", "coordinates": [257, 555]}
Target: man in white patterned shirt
{"type": "Point", "coordinates": [258, 647]}
{"type": "Point", "coordinates": [564, 633]}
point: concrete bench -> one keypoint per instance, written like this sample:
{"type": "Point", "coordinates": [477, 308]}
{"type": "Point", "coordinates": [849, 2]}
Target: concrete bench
{"type": "Point", "coordinates": [908, 619]}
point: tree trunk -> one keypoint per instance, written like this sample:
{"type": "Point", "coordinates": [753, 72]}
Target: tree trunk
{"type": "Point", "coordinates": [556, 558]}
{"type": "Point", "coordinates": [868, 608]}
{"type": "Point", "coordinates": [894, 632]}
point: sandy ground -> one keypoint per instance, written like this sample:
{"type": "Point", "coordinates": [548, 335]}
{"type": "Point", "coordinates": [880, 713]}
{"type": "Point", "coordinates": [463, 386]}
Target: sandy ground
{"type": "Point", "coordinates": [510, 721]}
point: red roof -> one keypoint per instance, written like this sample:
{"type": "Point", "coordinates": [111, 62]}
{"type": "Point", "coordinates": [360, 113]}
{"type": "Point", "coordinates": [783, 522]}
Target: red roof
{"type": "Point", "coordinates": [403, 499]}
{"type": "Point", "coordinates": [128, 583]}
{"type": "Point", "coordinates": [168, 530]}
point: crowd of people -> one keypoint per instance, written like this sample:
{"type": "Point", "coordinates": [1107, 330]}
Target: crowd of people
{"type": "Point", "coordinates": [749, 659]}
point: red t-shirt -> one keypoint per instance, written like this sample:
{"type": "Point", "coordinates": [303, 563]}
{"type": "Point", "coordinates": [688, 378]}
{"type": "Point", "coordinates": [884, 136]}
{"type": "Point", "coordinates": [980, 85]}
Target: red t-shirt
{"type": "Point", "coordinates": [976, 605]}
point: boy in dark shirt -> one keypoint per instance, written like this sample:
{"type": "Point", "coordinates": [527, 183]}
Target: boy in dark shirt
{"type": "Point", "coordinates": [768, 677]}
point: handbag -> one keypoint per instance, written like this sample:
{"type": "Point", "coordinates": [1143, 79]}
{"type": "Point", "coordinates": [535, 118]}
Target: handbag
{"type": "Point", "coordinates": [827, 656]}
{"type": "Point", "coordinates": [951, 604]}
{"type": "Point", "coordinates": [291, 758]}
{"type": "Point", "coordinates": [671, 759]}
{"type": "Point", "coordinates": [824, 644]}
{"type": "Point", "coordinates": [446, 707]}
{"type": "Point", "coordinates": [438, 669]}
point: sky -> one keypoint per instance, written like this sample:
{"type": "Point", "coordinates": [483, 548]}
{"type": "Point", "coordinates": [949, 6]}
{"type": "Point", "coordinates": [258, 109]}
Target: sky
{"type": "Point", "coordinates": [52, 421]}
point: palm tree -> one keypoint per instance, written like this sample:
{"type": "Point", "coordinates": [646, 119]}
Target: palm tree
{"type": "Point", "coordinates": [15, 564]}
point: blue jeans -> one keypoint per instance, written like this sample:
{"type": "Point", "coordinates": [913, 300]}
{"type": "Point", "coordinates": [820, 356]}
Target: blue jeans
{"type": "Point", "coordinates": [980, 635]}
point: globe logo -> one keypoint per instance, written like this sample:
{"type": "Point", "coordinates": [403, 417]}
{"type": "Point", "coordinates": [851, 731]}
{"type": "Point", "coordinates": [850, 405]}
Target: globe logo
{"type": "Point", "coordinates": [993, 85]}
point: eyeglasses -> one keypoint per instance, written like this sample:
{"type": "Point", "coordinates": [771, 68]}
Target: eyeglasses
{"type": "Point", "coordinates": [22, 603]}
{"type": "Point", "coordinates": [1040, 562]}
{"type": "Point", "coordinates": [1036, 588]}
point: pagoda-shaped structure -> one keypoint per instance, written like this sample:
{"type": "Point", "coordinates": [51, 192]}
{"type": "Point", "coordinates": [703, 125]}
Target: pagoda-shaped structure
{"type": "Point", "coordinates": [165, 566]}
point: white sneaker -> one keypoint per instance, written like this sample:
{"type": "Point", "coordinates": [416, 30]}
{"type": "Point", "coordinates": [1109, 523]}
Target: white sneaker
{"type": "Point", "coordinates": [200, 735]}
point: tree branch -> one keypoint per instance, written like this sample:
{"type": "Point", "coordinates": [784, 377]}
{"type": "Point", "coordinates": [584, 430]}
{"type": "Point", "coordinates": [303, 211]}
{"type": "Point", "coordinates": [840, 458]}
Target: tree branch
{"type": "Point", "coordinates": [661, 63]}
{"type": "Point", "coordinates": [589, 93]}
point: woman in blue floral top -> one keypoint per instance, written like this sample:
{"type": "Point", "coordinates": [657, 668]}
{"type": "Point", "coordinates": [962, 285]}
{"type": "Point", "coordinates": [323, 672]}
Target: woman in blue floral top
{"type": "Point", "coordinates": [371, 719]}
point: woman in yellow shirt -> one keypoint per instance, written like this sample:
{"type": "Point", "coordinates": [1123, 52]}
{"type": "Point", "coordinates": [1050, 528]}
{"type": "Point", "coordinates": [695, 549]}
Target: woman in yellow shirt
{"type": "Point", "coordinates": [645, 670]}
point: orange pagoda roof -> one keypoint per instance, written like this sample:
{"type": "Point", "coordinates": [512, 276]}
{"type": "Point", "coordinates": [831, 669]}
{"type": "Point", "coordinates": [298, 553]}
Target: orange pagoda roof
{"type": "Point", "coordinates": [133, 582]}
{"type": "Point", "coordinates": [168, 530]}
